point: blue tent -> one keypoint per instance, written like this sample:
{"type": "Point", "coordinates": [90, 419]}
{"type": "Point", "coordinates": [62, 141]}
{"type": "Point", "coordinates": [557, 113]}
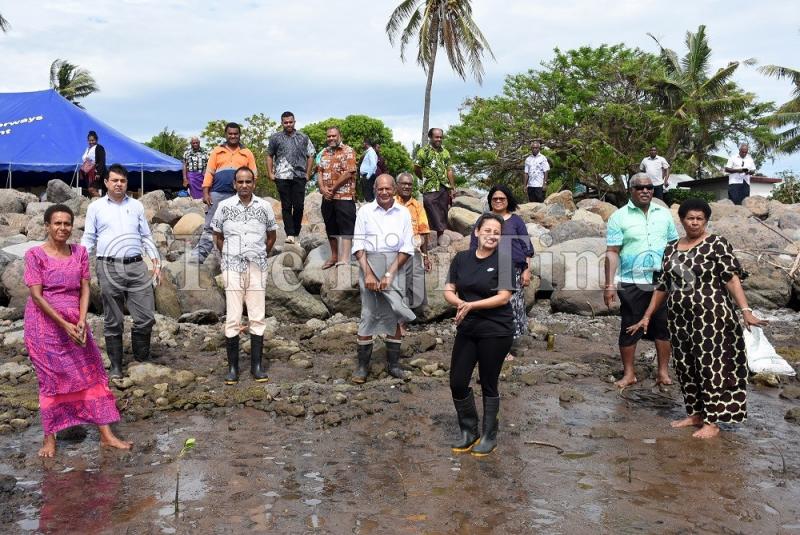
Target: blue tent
{"type": "Point", "coordinates": [42, 131]}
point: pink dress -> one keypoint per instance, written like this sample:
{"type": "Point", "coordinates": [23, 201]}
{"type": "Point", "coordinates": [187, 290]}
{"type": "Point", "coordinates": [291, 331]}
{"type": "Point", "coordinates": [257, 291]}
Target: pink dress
{"type": "Point", "coordinates": [73, 385]}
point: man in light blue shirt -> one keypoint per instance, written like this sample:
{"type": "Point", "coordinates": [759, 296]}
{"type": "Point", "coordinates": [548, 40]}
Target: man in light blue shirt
{"type": "Point", "coordinates": [117, 229]}
{"type": "Point", "coordinates": [368, 170]}
{"type": "Point", "coordinates": [637, 235]}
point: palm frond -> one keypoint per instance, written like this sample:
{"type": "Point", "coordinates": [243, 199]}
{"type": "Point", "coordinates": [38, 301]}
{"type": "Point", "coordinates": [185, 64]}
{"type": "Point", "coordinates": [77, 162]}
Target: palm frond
{"type": "Point", "coordinates": [695, 62]}
{"type": "Point", "coordinates": [400, 13]}
{"type": "Point", "coordinates": [4, 25]}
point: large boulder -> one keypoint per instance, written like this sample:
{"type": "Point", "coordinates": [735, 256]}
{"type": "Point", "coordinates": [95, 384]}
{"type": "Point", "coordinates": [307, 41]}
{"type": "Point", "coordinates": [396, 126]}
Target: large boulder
{"type": "Point", "coordinates": [312, 213]}
{"type": "Point", "coordinates": [578, 272]}
{"type": "Point", "coordinates": [13, 201]}
{"type": "Point", "coordinates": [37, 209]}
{"type": "Point", "coordinates": [596, 206]}
{"type": "Point", "coordinates": [313, 277]}
{"type": "Point", "coordinates": [437, 308]}
{"type": "Point", "coordinates": [461, 219]}
{"type": "Point", "coordinates": [470, 203]}
{"type": "Point", "coordinates": [35, 229]}
{"type": "Point", "coordinates": [59, 191]}
{"type": "Point", "coordinates": [154, 200]}
{"type": "Point", "coordinates": [17, 222]}
{"type": "Point", "coordinates": [550, 264]}
{"type": "Point", "coordinates": [13, 283]}
{"type": "Point", "coordinates": [562, 198]}
{"type": "Point", "coordinates": [552, 215]}
{"type": "Point", "coordinates": [529, 210]}
{"type": "Point", "coordinates": [187, 287]}
{"type": "Point", "coordinates": [188, 225]}
{"type": "Point", "coordinates": [573, 230]}
{"type": "Point", "coordinates": [585, 216]}
{"type": "Point", "coordinates": [167, 215]}
{"type": "Point", "coordinates": [288, 300]}
{"type": "Point", "coordinates": [340, 291]}
{"type": "Point", "coordinates": [758, 206]}
{"type": "Point", "coordinates": [723, 209]}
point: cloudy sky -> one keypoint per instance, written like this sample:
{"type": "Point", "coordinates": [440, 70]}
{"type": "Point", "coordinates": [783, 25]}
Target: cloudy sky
{"type": "Point", "coordinates": [181, 63]}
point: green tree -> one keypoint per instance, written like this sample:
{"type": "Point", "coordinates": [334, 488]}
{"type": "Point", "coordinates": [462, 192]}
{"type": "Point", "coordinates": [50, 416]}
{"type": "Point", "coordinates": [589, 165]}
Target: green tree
{"type": "Point", "coordinates": [788, 114]}
{"type": "Point", "coordinates": [788, 192]}
{"type": "Point", "coordinates": [256, 130]}
{"type": "Point", "coordinates": [169, 142]}
{"type": "Point", "coordinates": [72, 82]}
{"type": "Point", "coordinates": [592, 108]}
{"type": "Point", "coordinates": [439, 23]}
{"type": "Point", "coordinates": [356, 128]}
{"type": "Point", "coordinates": [706, 109]}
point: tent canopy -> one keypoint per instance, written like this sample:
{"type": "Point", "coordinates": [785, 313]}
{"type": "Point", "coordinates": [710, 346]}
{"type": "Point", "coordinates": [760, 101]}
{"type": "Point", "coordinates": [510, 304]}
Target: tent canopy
{"type": "Point", "coordinates": [42, 131]}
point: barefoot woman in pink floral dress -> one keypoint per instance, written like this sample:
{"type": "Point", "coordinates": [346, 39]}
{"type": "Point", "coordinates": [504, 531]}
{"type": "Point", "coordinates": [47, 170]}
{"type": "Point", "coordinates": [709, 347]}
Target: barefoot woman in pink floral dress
{"type": "Point", "coordinates": [73, 385]}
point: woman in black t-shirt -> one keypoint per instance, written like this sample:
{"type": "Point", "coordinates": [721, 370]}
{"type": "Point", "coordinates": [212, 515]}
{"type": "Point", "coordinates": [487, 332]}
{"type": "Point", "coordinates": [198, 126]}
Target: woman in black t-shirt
{"type": "Point", "coordinates": [480, 284]}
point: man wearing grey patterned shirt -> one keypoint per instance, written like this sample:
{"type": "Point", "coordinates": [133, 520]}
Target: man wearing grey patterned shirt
{"type": "Point", "coordinates": [244, 231]}
{"type": "Point", "coordinates": [290, 160]}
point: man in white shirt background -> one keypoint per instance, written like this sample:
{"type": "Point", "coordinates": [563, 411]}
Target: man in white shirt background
{"type": "Point", "coordinates": [657, 168]}
{"type": "Point", "coordinates": [739, 168]}
{"type": "Point", "coordinates": [537, 169]}
{"type": "Point", "coordinates": [383, 241]}
{"type": "Point", "coordinates": [367, 170]}
{"type": "Point", "coordinates": [117, 228]}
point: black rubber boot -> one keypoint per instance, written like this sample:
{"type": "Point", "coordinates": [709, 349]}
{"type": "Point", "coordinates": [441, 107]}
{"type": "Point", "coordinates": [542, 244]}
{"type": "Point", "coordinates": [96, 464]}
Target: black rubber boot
{"type": "Point", "coordinates": [114, 350]}
{"type": "Point", "coordinates": [256, 347]}
{"type": "Point", "coordinates": [488, 441]}
{"type": "Point", "coordinates": [232, 348]}
{"type": "Point", "coordinates": [467, 423]}
{"type": "Point", "coordinates": [140, 346]}
{"type": "Point", "coordinates": [364, 354]}
{"type": "Point", "coordinates": [393, 360]}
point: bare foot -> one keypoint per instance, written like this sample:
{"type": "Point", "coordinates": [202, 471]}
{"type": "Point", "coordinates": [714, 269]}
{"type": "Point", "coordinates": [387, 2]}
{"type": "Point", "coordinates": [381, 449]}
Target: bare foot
{"type": "Point", "coordinates": [509, 357]}
{"type": "Point", "coordinates": [329, 264]}
{"type": "Point", "coordinates": [693, 420]}
{"type": "Point", "coordinates": [707, 431]}
{"type": "Point", "coordinates": [663, 380]}
{"type": "Point", "coordinates": [48, 448]}
{"type": "Point", "coordinates": [114, 442]}
{"type": "Point", "coordinates": [626, 381]}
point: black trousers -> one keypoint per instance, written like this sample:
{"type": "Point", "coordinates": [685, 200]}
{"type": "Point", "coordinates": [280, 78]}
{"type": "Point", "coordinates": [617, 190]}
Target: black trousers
{"type": "Point", "coordinates": [535, 194]}
{"type": "Point", "coordinates": [489, 353]}
{"type": "Point", "coordinates": [368, 188]}
{"type": "Point", "coordinates": [293, 194]}
{"type": "Point", "coordinates": [658, 192]}
{"type": "Point", "coordinates": [738, 192]}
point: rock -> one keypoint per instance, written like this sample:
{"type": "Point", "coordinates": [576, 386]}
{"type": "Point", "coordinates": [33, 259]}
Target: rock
{"type": "Point", "coordinates": [10, 314]}
{"type": "Point", "coordinates": [332, 418]}
{"type": "Point", "coordinates": [313, 276]}
{"type": "Point", "coordinates": [296, 409]}
{"type": "Point", "coordinates": [203, 316]}
{"type": "Point", "coordinates": [301, 364]}
{"type": "Point", "coordinates": [36, 210]}
{"type": "Point", "coordinates": [13, 281]}
{"type": "Point", "coordinates": [766, 379]}
{"type": "Point", "coordinates": [312, 214]}
{"type": "Point", "coordinates": [35, 229]}
{"type": "Point", "coordinates": [184, 378]}
{"type": "Point", "coordinates": [596, 206]}
{"type": "Point", "coordinates": [573, 230]}
{"type": "Point", "coordinates": [142, 373]}
{"type": "Point", "coordinates": [723, 210]}
{"type": "Point", "coordinates": [11, 202]}
{"type": "Point", "coordinates": [590, 218]}
{"type": "Point", "coordinates": [123, 384]}
{"type": "Point", "coordinates": [167, 215]}
{"type": "Point", "coordinates": [188, 225]}
{"type": "Point", "coordinates": [14, 340]}
{"type": "Point", "coordinates": [59, 191]}
{"type": "Point", "coordinates": [562, 198]}
{"type": "Point", "coordinates": [428, 369]}
{"type": "Point", "coordinates": [7, 483]}
{"type": "Point", "coordinates": [338, 398]}
{"type": "Point", "coordinates": [793, 415]}
{"type": "Point", "coordinates": [569, 395]}
{"type": "Point", "coordinates": [139, 393]}
{"type": "Point", "coordinates": [162, 401]}
{"type": "Point", "coordinates": [319, 408]}
{"type": "Point", "coordinates": [340, 291]}
{"type": "Point", "coordinates": [789, 220]}
{"type": "Point", "coordinates": [757, 205]}
{"type": "Point", "coordinates": [288, 300]}
{"type": "Point", "coordinates": [154, 200]}
{"type": "Point", "coordinates": [470, 203]}
{"type": "Point", "coordinates": [316, 324]}
{"type": "Point", "coordinates": [14, 370]}
{"type": "Point", "coordinates": [437, 308]}
{"type": "Point", "coordinates": [19, 423]}
{"type": "Point", "coordinates": [187, 287]}
{"type": "Point", "coordinates": [461, 220]}
{"type": "Point", "coordinates": [602, 432]}
{"type": "Point", "coordinates": [161, 389]}
{"type": "Point", "coordinates": [550, 264]}
{"type": "Point", "coordinates": [418, 362]}
{"type": "Point", "coordinates": [790, 392]}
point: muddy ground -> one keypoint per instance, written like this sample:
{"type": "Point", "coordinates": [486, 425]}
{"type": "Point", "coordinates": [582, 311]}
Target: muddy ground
{"type": "Point", "coordinates": [310, 453]}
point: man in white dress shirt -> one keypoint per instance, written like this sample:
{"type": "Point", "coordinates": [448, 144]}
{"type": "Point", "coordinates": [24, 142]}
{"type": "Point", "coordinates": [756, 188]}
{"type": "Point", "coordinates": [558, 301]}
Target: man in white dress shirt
{"type": "Point", "coordinates": [116, 227]}
{"type": "Point", "coordinates": [383, 241]}
{"type": "Point", "coordinates": [739, 169]}
{"type": "Point", "coordinates": [657, 168]}
{"type": "Point", "coordinates": [244, 229]}
{"type": "Point", "coordinates": [537, 169]}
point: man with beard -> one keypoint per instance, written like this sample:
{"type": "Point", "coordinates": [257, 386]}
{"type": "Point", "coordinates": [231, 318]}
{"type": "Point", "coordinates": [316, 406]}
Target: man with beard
{"type": "Point", "coordinates": [433, 167]}
{"type": "Point", "coordinates": [336, 171]}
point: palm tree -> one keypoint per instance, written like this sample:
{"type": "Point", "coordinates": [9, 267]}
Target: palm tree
{"type": "Point", "coordinates": [435, 23]}
{"type": "Point", "coordinates": [698, 102]}
{"type": "Point", "coordinates": [788, 114]}
{"type": "Point", "coordinates": [72, 82]}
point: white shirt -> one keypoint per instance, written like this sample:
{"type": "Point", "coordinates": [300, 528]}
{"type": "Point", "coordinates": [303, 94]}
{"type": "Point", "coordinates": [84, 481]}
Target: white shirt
{"type": "Point", "coordinates": [535, 168]}
{"type": "Point", "coordinates": [369, 165]}
{"type": "Point", "coordinates": [244, 229]}
{"type": "Point", "coordinates": [737, 162]}
{"type": "Point", "coordinates": [654, 167]}
{"type": "Point", "coordinates": [89, 153]}
{"type": "Point", "coordinates": [383, 231]}
{"type": "Point", "coordinates": [118, 229]}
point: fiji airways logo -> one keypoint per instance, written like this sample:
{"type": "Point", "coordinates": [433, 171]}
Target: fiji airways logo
{"type": "Point", "coordinates": [5, 127]}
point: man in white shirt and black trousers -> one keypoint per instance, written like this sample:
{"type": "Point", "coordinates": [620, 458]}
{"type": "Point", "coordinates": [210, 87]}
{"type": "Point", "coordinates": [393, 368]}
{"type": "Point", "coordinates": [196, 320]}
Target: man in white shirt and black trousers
{"type": "Point", "coordinates": [657, 168]}
{"type": "Point", "coordinates": [383, 242]}
{"type": "Point", "coordinates": [117, 228]}
{"type": "Point", "coordinates": [739, 169]}
{"type": "Point", "coordinates": [245, 230]}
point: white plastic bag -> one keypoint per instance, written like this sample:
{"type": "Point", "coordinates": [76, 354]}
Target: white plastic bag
{"type": "Point", "coordinates": [761, 356]}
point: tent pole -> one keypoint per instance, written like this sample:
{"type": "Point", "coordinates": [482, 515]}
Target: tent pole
{"type": "Point", "coordinates": [8, 179]}
{"type": "Point", "coordinates": [141, 168]}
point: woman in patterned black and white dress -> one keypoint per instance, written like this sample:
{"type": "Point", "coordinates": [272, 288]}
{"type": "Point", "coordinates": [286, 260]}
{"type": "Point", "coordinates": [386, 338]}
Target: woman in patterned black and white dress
{"type": "Point", "coordinates": [701, 278]}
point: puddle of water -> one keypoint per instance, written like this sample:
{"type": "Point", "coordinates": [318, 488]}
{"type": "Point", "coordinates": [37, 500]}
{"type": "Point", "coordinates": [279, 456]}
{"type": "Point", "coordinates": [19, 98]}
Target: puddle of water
{"type": "Point", "coordinates": [312, 501]}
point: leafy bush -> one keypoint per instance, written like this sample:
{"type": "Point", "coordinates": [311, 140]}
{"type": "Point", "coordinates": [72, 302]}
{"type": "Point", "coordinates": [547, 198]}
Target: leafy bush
{"type": "Point", "coordinates": [677, 196]}
{"type": "Point", "coordinates": [789, 191]}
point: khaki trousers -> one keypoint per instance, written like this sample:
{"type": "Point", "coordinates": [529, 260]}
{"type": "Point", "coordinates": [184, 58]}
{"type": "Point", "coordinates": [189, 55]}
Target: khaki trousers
{"type": "Point", "coordinates": [248, 288]}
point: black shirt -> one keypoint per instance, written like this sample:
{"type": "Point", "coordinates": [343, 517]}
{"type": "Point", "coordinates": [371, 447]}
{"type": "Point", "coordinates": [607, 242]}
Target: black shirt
{"type": "Point", "coordinates": [479, 278]}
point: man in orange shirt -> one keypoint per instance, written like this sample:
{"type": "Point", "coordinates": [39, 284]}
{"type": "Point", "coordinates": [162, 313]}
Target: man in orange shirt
{"type": "Point", "coordinates": [223, 162]}
{"type": "Point", "coordinates": [419, 263]}
{"type": "Point", "coordinates": [337, 183]}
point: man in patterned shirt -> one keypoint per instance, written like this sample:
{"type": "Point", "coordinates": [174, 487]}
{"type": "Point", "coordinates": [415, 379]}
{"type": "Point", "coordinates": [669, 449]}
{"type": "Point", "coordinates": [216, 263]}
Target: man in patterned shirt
{"type": "Point", "coordinates": [337, 171]}
{"type": "Point", "coordinates": [244, 231]}
{"type": "Point", "coordinates": [537, 169]}
{"type": "Point", "coordinates": [432, 165]}
{"type": "Point", "coordinates": [195, 160]}
{"type": "Point", "coordinates": [419, 264]}
{"type": "Point", "coordinates": [290, 160]}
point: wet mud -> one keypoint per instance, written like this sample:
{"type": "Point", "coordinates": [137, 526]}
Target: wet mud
{"type": "Point", "coordinates": [574, 456]}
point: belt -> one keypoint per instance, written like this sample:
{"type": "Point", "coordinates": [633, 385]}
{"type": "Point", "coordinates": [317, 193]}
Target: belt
{"type": "Point", "coordinates": [126, 260]}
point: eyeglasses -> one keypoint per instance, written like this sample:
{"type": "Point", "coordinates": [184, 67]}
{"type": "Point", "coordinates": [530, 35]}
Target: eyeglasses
{"type": "Point", "coordinates": [647, 187]}
{"type": "Point", "coordinates": [499, 199]}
